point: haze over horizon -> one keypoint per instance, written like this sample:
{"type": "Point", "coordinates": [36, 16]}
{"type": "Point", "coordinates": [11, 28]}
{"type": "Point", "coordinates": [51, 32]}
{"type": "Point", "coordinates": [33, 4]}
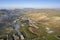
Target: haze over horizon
{"type": "Point", "coordinates": [9, 4]}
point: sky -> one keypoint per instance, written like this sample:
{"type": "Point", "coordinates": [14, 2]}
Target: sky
{"type": "Point", "coordinates": [29, 4]}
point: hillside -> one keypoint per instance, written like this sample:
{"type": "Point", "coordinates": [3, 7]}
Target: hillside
{"type": "Point", "coordinates": [49, 26]}
{"type": "Point", "coordinates": [35, 24]}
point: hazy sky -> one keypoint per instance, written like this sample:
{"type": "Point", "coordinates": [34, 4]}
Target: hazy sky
{"type": "Point", "coordinates": [29, 3]}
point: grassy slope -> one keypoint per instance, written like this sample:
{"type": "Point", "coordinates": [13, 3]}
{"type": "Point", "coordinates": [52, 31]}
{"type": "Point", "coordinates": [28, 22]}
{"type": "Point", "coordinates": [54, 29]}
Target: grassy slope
{"type": "Point", "coordinates": [51, 24]}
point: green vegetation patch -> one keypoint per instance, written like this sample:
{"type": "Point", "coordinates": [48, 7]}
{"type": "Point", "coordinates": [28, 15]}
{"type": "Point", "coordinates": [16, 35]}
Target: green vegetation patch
{"type": "Point", "coordinates": [27, 33]}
